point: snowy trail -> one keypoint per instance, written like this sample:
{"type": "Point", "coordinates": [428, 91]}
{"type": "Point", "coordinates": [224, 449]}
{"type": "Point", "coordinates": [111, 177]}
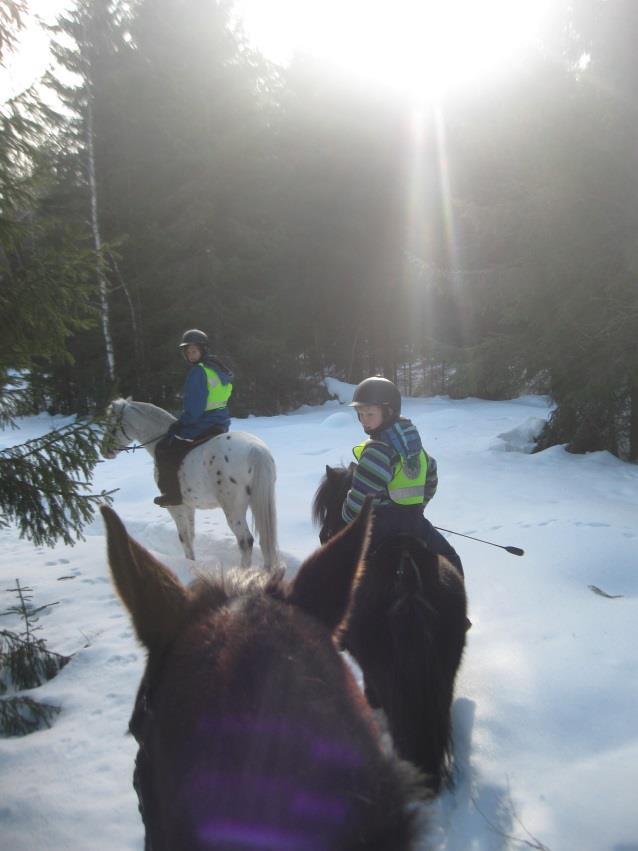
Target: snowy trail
{"type": "Point", "coordinates": [545, 733]}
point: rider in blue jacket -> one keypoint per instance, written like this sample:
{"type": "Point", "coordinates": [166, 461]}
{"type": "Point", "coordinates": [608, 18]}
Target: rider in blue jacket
{"type": "Point", "coordinates": [207, 389]}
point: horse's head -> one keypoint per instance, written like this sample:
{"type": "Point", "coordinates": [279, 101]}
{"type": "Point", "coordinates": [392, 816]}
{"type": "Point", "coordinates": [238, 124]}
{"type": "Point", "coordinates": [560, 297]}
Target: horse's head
{"type": "Point", "coordinates": [252, 731]}
{"type": "Point", "coordinates": [328, 501]}
{"type": "Point", "coordinates": [115, 439]}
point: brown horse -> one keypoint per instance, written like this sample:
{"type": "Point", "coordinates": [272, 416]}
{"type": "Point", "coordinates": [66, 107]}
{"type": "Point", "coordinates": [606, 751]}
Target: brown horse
{"type": "Point", "coordinates": [253, 733]}
{"type": "Point", "coordinates": [407, 632]}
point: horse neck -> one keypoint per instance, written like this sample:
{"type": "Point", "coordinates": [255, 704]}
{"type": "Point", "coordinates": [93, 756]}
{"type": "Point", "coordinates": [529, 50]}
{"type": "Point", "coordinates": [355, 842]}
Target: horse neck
{"type": "Point", "coordinates": [146, 423]}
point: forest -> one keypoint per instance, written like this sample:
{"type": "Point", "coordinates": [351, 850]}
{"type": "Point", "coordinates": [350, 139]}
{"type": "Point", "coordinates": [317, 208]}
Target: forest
{"type": "Point", "coordinates": [164, 175]}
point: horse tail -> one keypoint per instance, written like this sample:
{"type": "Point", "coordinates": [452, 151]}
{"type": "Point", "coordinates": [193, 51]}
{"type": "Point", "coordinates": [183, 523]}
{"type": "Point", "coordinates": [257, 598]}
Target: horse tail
{"type": "Point", "coordinates": [427, 627]}
{"type": "Point", "coordinates": [262, 503]}
{"type": "Point", "coordinates": [418, 610]}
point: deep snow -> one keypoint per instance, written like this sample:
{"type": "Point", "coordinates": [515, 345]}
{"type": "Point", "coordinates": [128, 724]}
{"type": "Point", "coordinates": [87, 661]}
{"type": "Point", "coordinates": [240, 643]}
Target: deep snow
{"type": "Point", "coordinates": [546, 739]}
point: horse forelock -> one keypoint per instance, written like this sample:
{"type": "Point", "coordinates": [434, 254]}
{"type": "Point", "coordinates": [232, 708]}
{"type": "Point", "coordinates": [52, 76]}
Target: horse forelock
{"type": "Point", "coordinates": [237, 582]}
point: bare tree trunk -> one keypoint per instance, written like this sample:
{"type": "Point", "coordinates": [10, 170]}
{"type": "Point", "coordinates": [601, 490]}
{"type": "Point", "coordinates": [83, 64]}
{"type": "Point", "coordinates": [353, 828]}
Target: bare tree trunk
{"type": "Point", "coordinates": [410, 364]}
{"type": "Point", "coordinates": [633, 421]}
{"type": "Point", "coordinates": [97, 243]}
{"type": "Point", "coordinates": [137, 339]}
{"type": "Point", "coordinates": [353, 352]}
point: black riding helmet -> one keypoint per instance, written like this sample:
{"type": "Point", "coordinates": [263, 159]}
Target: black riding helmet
{"type": "Point", "coordinates": [377, 391]}
{"type": "Point", "coordinates": [194, 337]}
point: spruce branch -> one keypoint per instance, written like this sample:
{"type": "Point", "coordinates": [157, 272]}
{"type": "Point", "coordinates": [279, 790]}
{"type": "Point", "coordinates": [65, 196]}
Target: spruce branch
{"type": "Point", "coordinates": [42, 484]}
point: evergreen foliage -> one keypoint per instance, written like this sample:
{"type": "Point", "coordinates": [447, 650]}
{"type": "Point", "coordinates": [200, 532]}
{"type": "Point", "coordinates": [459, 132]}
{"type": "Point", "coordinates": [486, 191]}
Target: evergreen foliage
{"type": "Point", "coordinates": [46, 286]}
{"type": "Point", "coordinates": [43, 484]}
{"type": "Point", "coordinates": [25, 663]}
{"type": "Point", "coordinates": [12, 14]}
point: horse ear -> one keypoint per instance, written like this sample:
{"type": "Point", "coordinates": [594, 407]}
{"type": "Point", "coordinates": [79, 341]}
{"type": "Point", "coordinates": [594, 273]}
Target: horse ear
{"type": "Point", "coordinates": [324, 582]}
{"type": "Point", "coordinates": [154, 597]}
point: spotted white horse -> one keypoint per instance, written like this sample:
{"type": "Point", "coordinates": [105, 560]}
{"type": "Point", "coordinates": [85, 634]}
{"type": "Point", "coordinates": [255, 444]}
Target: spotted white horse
{"type": "Point", "coordinates": [233, 471]}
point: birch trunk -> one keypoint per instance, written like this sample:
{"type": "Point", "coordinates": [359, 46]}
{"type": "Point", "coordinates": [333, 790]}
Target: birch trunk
{"type": "Point", "coordinates": [97, 243]}
{"type": "Point", "coordinates": [633, 421]}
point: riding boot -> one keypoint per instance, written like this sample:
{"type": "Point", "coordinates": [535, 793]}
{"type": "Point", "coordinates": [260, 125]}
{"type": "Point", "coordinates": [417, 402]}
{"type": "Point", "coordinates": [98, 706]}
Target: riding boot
{"type": "Point", "coordinates": [164, 500]}
{"type": "Point", "coordinates": [168, 456]}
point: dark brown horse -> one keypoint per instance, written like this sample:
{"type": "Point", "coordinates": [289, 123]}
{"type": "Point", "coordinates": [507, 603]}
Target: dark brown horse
{"type": "Point", "coordinates": [253, 733]}
{"type": "Point", "coordinates": [407, 632]}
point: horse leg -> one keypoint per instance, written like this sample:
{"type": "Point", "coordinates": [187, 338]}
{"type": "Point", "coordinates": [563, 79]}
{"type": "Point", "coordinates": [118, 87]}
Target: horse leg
{"type": "Point", "coordinates": [236, 517]}
{"type": "Point", "coordinates": [184, 517]}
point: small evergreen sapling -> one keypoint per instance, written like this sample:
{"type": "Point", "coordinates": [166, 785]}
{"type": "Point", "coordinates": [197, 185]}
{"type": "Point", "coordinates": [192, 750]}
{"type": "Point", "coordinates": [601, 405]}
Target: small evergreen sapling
{"type": "Point", "coordinates": [25, 663]}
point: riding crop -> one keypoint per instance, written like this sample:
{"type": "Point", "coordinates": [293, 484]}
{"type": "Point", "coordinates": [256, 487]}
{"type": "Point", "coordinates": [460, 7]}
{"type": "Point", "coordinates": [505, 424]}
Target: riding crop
{"type": "Point", "coordinates": [515, 551]}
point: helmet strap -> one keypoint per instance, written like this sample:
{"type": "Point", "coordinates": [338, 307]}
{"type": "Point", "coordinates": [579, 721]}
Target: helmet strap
{"type": "Point", "coordinates": [390, 416]}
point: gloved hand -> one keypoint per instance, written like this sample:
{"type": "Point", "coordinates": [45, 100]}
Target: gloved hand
{"type": "Point", "coordinates": [173, 429]}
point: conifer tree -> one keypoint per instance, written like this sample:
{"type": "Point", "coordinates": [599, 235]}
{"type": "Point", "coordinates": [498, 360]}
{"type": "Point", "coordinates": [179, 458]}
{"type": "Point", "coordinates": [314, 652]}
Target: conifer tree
{"type": "Point", "coordinates": [25, 663]}
{"type": "Point", "coordinates": [45, 291]}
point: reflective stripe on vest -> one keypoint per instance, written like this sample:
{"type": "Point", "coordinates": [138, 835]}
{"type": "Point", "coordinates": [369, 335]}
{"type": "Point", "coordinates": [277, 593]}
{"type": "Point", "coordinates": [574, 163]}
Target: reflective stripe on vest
{"type": "Point", "coordinates": [403, 489]}
{"type": "Point", "coordinates": [218, 393]}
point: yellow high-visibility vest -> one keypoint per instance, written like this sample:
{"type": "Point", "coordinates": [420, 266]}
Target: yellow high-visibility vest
{"type": "Point", "coordinates": [403, 489]}
{"type": "Point", "coordinates": [218, 393]}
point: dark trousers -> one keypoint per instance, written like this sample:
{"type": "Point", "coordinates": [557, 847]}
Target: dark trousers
{"type": "Point", "coordinates": [169, 454]}
{"type": "Point", "coordinates": [394, 519]}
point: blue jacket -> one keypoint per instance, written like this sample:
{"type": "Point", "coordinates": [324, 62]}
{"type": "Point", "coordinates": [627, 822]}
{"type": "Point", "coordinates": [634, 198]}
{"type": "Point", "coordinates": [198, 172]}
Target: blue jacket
{"type": "Point", "coordinates": [195, 420]}
{"type": "Point", "coordinates": [375, 469]}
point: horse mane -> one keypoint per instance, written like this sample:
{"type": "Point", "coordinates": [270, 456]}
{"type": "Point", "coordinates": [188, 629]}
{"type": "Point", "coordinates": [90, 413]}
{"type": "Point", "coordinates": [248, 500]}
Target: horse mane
{"type": "Point", "coordinates": [416, 600]}
{"type": "Point", "coordinates": [118, 404]}
{"type": "Point", "coordinates": [327, 495]}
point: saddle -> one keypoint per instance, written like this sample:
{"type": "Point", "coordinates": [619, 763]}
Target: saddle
{"type": "Point", "coordinates": [187, 445]}
{"type": "Point", "coordinates": [169, 462]}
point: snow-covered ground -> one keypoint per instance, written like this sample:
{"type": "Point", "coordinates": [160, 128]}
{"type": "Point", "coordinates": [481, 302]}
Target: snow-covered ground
{"type": "Point", "coordinates": [546, 738]}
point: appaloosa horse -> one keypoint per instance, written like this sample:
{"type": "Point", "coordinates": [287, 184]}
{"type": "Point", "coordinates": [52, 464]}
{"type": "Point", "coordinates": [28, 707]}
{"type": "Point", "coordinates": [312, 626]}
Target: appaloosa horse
{"type": "Point", "coordinates": [407, 632]}
{"type": "Point", "coordinates": [233, 471]}
{"type": "Point", "coordinates": [253, 734]}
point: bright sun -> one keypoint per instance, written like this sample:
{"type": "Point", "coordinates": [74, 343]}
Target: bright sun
{"type": "Point", "coordinates": [421, 47]}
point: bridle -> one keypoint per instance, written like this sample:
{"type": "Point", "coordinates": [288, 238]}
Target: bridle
{"type": "Point", "coordinates": [131, 444]}
{"type": "Point", "coordinates": [114, 427]}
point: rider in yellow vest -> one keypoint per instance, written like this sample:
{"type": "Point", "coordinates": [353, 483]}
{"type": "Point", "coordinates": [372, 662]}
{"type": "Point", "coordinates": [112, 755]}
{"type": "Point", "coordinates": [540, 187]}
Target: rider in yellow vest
{"type": "Point", "coordinates": [207, 389]}
{"type": "Point", "coordinates": [394, 468]}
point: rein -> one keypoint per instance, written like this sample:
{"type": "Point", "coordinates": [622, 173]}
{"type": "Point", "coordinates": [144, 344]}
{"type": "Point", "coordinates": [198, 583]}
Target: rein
{"type": "Point", "coordinates": [137, 445]}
